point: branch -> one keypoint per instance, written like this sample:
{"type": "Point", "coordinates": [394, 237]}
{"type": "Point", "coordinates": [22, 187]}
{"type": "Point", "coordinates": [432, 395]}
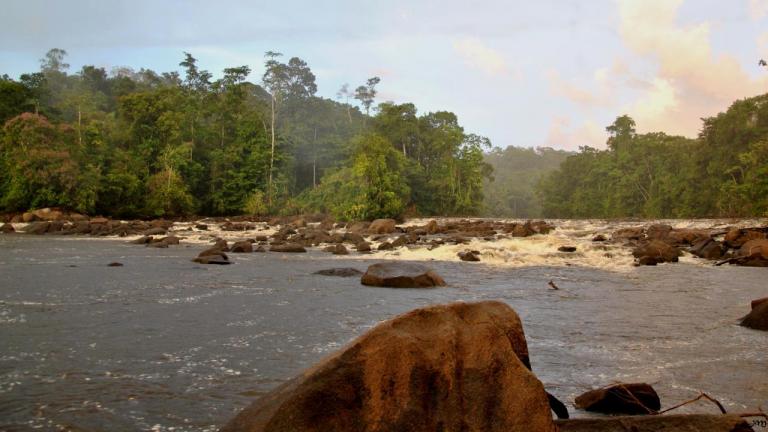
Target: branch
{"type": "Point", "coordinates": [700, 396]}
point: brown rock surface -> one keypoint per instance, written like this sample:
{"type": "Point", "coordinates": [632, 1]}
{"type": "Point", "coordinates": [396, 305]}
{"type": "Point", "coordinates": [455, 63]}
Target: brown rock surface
{"type": "Point", "coordinates": [382, 226]}
{"type": "Point", "coordinates": [287, 247]}
{"type": "Point", "coordinates": [758, 317]}
{"type": "Point", "coordinates": [396, 274]}
{"type": "Point", "coordinates": [636, 398]}
{"type": "Point", "coordinates": [457, 367]}
{"type": "Point", "coordinates": [661, 423]}
{"type": "Point", "coordinates": [658, 251]}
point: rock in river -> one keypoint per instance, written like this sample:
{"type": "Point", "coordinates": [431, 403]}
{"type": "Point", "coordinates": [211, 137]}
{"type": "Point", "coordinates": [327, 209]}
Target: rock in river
{"type": "Point", "coordinates": [469, 255]}
{"type": "Point", "coordinates": [401, 275]}
{"type": "Point", "coordinates": [636, 398]}
{"type": "Point", "coordinates": [382, 226]}
{"type": "Point", "coordinates": [657, 251]}
{"type": "Point", "coordinates": [341, 272]}
{"type": "Point", "coordinates": [758, 318]}
{"type": "Point", "coordinates": [287, 247]}
{"type": "Point", "coordinates": [244, 246]}
{"type": "Point", "coordinates": [456, 367]}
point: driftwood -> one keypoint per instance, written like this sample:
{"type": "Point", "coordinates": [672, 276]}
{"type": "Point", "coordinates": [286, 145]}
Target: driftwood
{"type": "Point", "coordinates": [552, 284]}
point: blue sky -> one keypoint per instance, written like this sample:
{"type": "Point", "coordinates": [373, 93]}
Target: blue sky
{"type": "Point", "coordinates": [525, 73]}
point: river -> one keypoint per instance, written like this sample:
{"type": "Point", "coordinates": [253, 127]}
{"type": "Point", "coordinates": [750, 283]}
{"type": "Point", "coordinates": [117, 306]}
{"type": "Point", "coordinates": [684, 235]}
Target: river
{"type": "Point", "coordinates": [165, 344]}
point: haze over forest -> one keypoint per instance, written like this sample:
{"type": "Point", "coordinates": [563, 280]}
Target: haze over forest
{"type": "Point", "coordinates": [364, 136]}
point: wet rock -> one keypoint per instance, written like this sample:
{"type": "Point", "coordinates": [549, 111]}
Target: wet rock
{"type": "Point", "coordinates": [288, 247]}
{"type": "Point", "coordinates": [658, 231]}
{"type": "Point", "coordinates": [37, 228]}
{"type": "Point", "coordinates": [636, 398]}
{"type": "Point", "coordinates": [599, 238]}
{"type": "Point", "coordinates": [400, 241]}
{"type": "Point", "coordinates": [757, 318]}
{"type": "Point", "coordinates": [708, 248]}
{"type": "Point", "coordinates": [469, 255]}
{"type": "Point", "coordinates": [157, 243]}
{"type": "Point", "coordinates": [431, 227]}
{"type": "Point", "coordinates": [541, 227]}
{"type": "Point", "coordinates": [221, 245]}
{"type": "Point", "coordinates": [141, 240]}
{"type": "Point", "coordinates": [100, 221]}
{"type": "Point", "coordinates": [457, 367]}
{"type": "Point", "coordinates": [213, 257]}
{"type": "Point", "coordinates": [155, 231]}
{"type": "Point", "coordinates": [201, 227]}
{"type": "Point", "coordinates": [171, 240]}
{"type": "Point", "coordinates": [244, 246]}
{"type": "Point", "coordinates": [115, 264]}
{"type": "Point", "coordinates": [7, 228]}
{"type": "Point", "coordinates": [647, 261]}
{"type": "Point", "coordinates": [262, 238]}
{"type": "Point", "coordinates": [658, 250]}
{"type": "Point", "coordinates": [260, 249]}
{"type": "Point", "coordinates": [385, 246]}
{"type": "Point", "coordinates": [736, 237]}
{"type": "Point", "coordinates": [358, 227]}
{"type": "Point", "coordinates": [401, 275]}
{"type": "Point", "coordinates": [758, 302]}
{"type": "Point", "coordinates": [340, 272]}
{"type": "Point", "coordinates": [687, 236]}
{"type": "Point", "coordinates": [566, 249]}
{"type": "Point", "coordinates": [363, 246]}
{"type": "Point", "coordinates": [353, 238]}
{"type": "Point", "coordinates": [633, 233]}
{"type": "Point", "coordinates": [27, 217]}
{"type": "Point", "coordinates": [337, 249]}
{"type": "Point", "coordinates": [522, 230]}
{"type": "Point", "coordinates": [382, 226]}
{"type": "Point", "coordinates": [660, 423]}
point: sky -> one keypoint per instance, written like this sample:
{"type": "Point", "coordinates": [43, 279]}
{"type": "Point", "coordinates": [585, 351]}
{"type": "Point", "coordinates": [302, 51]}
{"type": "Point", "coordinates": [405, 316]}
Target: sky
{"type": "Point", "coordinates": [525, 73]}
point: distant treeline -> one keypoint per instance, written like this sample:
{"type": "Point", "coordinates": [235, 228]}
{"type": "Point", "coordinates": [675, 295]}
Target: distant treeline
{"type": "Point", "coordinates": [722, 173]}
{"type": "Point", "coordinates": [144, 144]}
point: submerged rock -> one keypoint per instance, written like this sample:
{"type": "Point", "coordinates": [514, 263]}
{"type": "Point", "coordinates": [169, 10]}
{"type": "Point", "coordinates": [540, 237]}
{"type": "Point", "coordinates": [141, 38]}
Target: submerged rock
{"type": "Point", "coordinates": [660, 423]}
{"type": "Point", "coordinates": [457, 367]}
{"type": "Point", "coordinates": [141, 240]}
{"type": "Point", "coordinates": [341, 272]}
{"type": "Point", "coordinates": [637, 398]}
{"type": "Point", "coordinates": [566, 249]}
{"type": "Point", "coordinates": [212, 257]}
{"type": "Point", "coordinates": [287, 247]}
{"type": "Point", "coordinates": [757, 318]}
{"type": "Point", "coordinates": [401, 275]}
{"type": "Point", "coordinates": [115, 264]}
{"type": "Point", "coordinates": [469, 255]}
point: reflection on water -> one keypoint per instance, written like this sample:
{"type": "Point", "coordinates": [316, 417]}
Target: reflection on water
{"type": "Point", "coordinates": [166, 344]}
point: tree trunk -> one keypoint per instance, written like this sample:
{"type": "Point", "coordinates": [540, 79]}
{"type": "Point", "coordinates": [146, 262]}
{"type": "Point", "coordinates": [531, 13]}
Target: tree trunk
{"type": "Point", "coordinates": [79, 126]}
{"type": "Point", "coordinates": [271, 156]}
{"type": "Point", "coordinates": [314, 159]}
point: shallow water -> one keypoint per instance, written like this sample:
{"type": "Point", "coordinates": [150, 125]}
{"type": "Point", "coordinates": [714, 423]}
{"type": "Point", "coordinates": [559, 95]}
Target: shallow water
{"type": "Point", "coordinates": [165, 344]}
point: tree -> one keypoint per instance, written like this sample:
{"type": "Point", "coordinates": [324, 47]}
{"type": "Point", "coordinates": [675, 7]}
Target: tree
{"type": "Point", "coordinates": [367, 93]}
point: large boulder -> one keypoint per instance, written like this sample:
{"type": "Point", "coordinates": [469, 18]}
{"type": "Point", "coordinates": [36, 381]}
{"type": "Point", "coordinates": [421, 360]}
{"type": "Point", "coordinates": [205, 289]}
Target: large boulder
{"type": "Point", "coordinates": [658, 423]}
{"type": "Point", "coordinates": [658, 231]}
{"type": "Point", "coordinates": [382, 226]}
{"type": "Point", "coordinates": [736, 237]}
{"type": "Point", "coordinates": [757, 318]}
{"type": "Point", "coordinates": [469, 255]}
{"type": "Point", "coordinates": [687, 236]}
{"type": "Point", "coordinates": [213, 258]}
{"type": "Point", "coordinates": [631, 233]}
{"type": "Point", "coordinates": [656, 251]}
{"type": "Point", "coordinates": [637, 398]}
{"type": "Point", "coordinates": [37, 228]}
{"type": "Point", "coordinates": [457, 367]}
{"type": "Point", "coordinates": [396, 274]}
{"type": "Point", "coordinates": [7, 228]}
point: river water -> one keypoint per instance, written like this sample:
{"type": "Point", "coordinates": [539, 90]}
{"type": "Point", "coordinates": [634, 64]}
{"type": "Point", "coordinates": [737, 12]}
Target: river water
{"type": "Point", "coordinates": [165, 344]}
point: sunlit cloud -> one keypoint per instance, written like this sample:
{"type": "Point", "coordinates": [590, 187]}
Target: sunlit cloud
{"type": "Point", "coordinates": [758, 9]}
{"type": "Point", "coordinates": [480, 56]}
{"type": "Point", "coordinates": [563, 135]}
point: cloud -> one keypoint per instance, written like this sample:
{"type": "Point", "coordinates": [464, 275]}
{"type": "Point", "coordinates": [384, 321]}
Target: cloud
{"type": "Point", "coordinates": [480, 56]}
{"type": "Point", "coordinates": [601, 92]}
{"type": "Point", "coordinates": [691, 81]}
{"type": "Point", "coordinates": [564, 136]}
{"type": "Point", "coordinates": [758, 9]}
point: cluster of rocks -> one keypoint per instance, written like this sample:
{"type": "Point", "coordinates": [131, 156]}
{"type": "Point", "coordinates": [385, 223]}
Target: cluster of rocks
{"type": "Point", "coordinates": [661, 243]}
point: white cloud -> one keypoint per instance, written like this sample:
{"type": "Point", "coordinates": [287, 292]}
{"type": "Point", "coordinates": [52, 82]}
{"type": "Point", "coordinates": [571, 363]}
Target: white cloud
{"type": "Point", "coordinates": [480, 56]}
{"type": "Point", "coordinates": [563, 135]}
{"type": "Point", "coordinates": [758, 9]}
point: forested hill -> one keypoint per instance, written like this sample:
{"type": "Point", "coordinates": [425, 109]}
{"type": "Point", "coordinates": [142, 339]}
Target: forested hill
{"type": "Point", "coordinates": [511, 191]}
{"type": "Point", "coordinates": [722, 173]}
{"type": "Point", "coordinates": [129, 143]}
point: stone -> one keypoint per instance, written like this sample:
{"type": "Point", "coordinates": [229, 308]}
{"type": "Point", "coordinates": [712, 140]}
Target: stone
{"type": "Point", "coordinates": [757, 318]}
{"type": "Point", "coordinates": [708, 248]}
{"type": "Point", "coordinates": [634, 398]}
{"type": "Point", "coordinates": [659, 423]}
{"type": "Point", "coordinates": [141, 240]}
{"type": "Point", "coordinates": [201, 227]}
{"type": "Point", "coordinates": [216, 257]}
{"type": "Point", "coordinates": [337, 249]}
{"type": "Point", "coordinates": [155, 231]}
{"type": "Point", "coordinates": [658, 231]}
{"type": "Point", "coordinates": [382, 226]}
{"type": "Point", "coordinates": [115, 264]}
{"type": "Point", "coordinates": [757, 302]}
{"type": "Point", "coordinates": [100, 220]}
{"type": "Point", "coordinates": [244, 246]}
{"type": "Point", "coordinates": [599, 238]}
{"type": "Point", "coordinates": [658, 250]}
{"type": "Point", "coordinates": [27, 217]}
{"type": "Point", "coordinates": [395, 274]}
{"type": "Point", "coordinates": [288, 247]}
{"type": "Point", "coordinates": [456, 367]}
{"type": "Point", "coordinates": [385, 246]}
{"type": "Point", "coordinates": [7, 228]}
{"type": "Point", "coordinates": [340, 272]}
{"type": "Point", "coordinates": [736, 237]}
{"type": "Point", "coordinates": [566, 249]}
{"type": "Point", "coordinates": [353, 238]}
{"type": "Point", "coordinates": [469, 255]}
{"type": "Point", "coordinates": [37, 228]}
{"type": "Point", "coordinates": [400, 241]}
{"type": "Point", "coordinates": [632, 233]}
{"type": "Point", "coordinates": [157, 243]}
{"type": "Point", "coordinates": [363, 246]}
{"type": "Point", "coordinates": [171, 240]}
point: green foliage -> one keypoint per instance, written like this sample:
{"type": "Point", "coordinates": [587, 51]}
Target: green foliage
{"type": "Point", "coordinates": [255, 204]}
{"type": "Point", "coordinates": [723, 173]}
